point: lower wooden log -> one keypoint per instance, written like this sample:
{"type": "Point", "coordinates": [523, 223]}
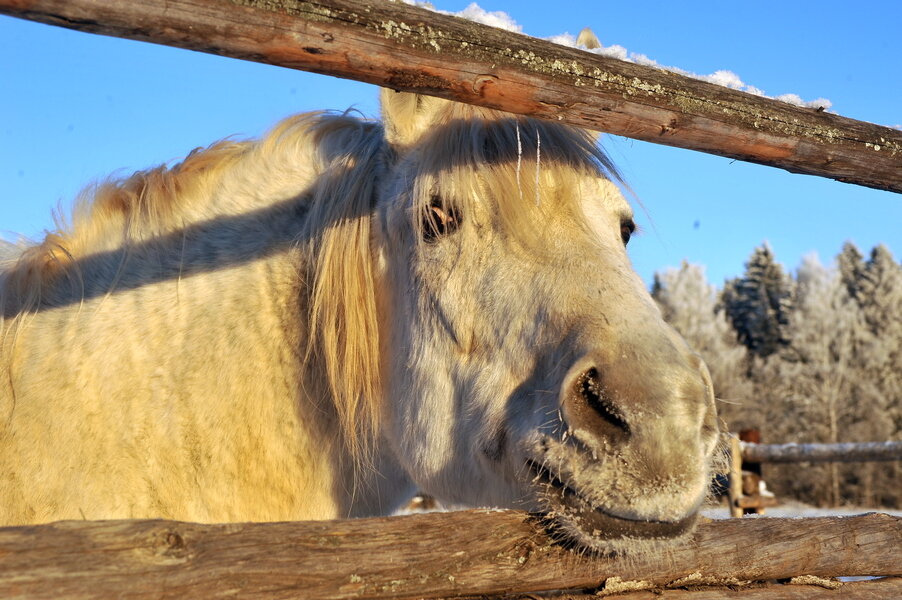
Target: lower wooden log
{"type": "Point", "coordinates": [468, 553]}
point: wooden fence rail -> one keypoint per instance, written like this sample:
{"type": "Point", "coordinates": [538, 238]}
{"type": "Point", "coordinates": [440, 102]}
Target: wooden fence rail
{"type": "Point", "coordinates": [791, 453]}
{"type": "Point", "coordinates": [413, 49]}
{"type": "Point", "coordinates": [436, 555]}
{"type": "Point", "coordinates": [747, 452]}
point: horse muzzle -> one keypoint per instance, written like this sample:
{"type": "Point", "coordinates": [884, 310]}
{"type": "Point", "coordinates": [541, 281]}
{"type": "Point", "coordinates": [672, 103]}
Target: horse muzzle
{"type": "Point", "coordinates": [598, 526]}
{"type": "Point", "coordinates": [632, 460]}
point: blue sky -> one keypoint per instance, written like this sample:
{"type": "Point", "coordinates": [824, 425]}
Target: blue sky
{"type": "Point", "coordinates": [76, 107]}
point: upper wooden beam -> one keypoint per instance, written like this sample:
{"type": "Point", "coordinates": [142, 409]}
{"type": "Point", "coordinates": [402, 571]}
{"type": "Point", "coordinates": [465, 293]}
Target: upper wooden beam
{"type": "Point", "coordinates": [408, 48]}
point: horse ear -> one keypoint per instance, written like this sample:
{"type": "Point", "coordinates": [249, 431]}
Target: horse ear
{"type": "Point", "coordinates": [407, 116]}
{"type": "Point", "coordinates": [587, 39]}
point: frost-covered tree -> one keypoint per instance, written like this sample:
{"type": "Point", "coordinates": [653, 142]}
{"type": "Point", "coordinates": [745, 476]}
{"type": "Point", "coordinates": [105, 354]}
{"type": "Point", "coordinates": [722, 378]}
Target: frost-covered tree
{"type": "Point", "coordinates": [820, 360]}
{"type": "Point", "coordinates": [814, 383]}
{"type": "Point", "coordinates": [880, 290]}
{"type": "Point", "coordinates": [851, 265]}
{"type": "Point", "coordinates": [689, 303]}
{"type": "Point", "coordinates": [838, 379]}
{"type": "Point", "coordinates": [759, 303]}
{"type": "Point", "coordinates": [880, 298]}
{"type": "Point", "coordinates": [876, 286]}
{"type": "Point", "coordinates": [879, 295]}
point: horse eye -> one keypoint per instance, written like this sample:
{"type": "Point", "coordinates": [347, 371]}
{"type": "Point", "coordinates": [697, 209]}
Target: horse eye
{"type": "Point", "coordinates": [439, 220]}
{"type": "Point", "coordinates": [626, 230]}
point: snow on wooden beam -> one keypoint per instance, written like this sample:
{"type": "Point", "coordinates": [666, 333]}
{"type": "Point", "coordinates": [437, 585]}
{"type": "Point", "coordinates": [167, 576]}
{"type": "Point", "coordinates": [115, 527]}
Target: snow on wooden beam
{"type": "Point", "coordinates": [793, 453]}
{"type": "Point", "coordinates": [436, 555]}
{"type": "Point", "coordinates": [413, 49]}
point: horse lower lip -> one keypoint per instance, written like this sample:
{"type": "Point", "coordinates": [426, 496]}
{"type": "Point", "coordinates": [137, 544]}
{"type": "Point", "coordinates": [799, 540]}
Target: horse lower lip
{"type": "Point", "coordinates": [600, 521]}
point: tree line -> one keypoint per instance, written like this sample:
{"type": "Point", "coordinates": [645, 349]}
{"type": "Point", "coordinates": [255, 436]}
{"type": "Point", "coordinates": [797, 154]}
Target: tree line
{"type": "Point", "coordinates": [814, 356]}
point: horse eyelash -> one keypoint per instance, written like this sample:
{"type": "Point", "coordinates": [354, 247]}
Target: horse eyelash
{"type": "Point", "coordinates": [631, 227]}
{"type": "Point", "coordinates": [431, 229]}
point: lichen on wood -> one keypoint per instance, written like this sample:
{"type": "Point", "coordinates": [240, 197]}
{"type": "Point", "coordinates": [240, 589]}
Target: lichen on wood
{"type": "Point", "coordinates": [413, 49]}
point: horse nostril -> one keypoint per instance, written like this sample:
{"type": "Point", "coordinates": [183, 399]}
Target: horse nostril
{"type": "Point", "coordinates": [589, 388]}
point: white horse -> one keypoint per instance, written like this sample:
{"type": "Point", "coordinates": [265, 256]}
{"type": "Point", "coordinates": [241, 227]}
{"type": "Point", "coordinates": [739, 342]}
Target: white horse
{"type": "Point", "coordinates": [318, 324]}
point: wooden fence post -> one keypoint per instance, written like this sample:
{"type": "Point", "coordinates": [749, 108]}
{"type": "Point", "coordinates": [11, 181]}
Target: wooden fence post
{"type": "Point", "coordinates": [734, 491]}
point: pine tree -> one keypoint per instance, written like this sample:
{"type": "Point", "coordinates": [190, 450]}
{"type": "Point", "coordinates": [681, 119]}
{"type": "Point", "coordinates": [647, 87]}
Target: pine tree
{"type": "Point", "coordinates": [880, 298]}
{"type": "Point", "coordinates": [839, 378]}
{"type": "Point", "coordinates": [880, 290]}
{"type": "Point", "coordinates": [851, 268]}
{"type": "Point", "coordinates": [814, 383]}
{"type": "Point", "coordinates": [759, 304]}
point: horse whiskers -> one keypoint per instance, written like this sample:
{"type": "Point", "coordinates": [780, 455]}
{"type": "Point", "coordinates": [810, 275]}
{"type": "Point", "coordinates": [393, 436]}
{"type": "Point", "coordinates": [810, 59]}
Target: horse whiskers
{"type": "Point", "coordinates": [519, 161]}
{"type": "Point", "coordinates": [538, 166]}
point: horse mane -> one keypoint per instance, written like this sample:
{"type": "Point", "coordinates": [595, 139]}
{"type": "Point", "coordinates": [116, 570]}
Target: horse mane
{"type": "Point", "coordinates": [109, 215]}
{"type": "Point", "coordinates": [326, 162]}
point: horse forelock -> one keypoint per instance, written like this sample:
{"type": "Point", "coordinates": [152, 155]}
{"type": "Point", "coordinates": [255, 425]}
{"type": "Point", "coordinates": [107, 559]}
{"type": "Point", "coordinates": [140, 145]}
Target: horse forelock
{"type": "Point", "coordinates": [519, 163]}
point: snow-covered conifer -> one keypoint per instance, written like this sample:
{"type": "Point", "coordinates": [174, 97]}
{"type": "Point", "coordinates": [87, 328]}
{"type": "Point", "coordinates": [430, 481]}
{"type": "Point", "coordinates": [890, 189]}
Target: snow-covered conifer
{"type": "Point", "coordinates": [759, 303]}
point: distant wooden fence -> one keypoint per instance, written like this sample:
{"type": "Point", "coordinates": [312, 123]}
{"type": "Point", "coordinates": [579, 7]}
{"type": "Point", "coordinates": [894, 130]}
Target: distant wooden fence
{"type": "Point", "coordinates": [796, 453]}
{"type": "Point", "coordinates": [412, 49]}
{"type": "Point", "coordinates": [793, 453]}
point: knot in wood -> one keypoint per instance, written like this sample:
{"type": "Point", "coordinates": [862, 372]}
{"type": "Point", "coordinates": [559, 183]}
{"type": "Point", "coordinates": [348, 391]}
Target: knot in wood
{"type": "Point", "coordinates": [174, 545]}
{"type": "Point", "coordinates": [416, 80]}
{"type": "Point", "coordinates": [522, 551]}
{"type": "Point", "coordinates": [669, 127]}
{"type": "Point", "coordinates": [481, 81]}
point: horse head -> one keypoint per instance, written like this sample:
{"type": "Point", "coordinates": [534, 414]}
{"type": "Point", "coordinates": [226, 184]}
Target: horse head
{"type": "Point", "coordinates": [529, 366]}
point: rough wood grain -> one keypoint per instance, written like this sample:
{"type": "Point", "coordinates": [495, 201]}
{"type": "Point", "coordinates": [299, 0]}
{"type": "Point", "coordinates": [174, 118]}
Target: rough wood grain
{"type": "Point", "coordinates": [793, 453]}
{"type": "Point", "coordinates": [408, 48]}
{"type": "Point", "coordinates": [436, 555]}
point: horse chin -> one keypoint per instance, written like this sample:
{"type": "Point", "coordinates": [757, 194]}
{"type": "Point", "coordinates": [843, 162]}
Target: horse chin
{"type": "Point", "coordinates": [574, 520]}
